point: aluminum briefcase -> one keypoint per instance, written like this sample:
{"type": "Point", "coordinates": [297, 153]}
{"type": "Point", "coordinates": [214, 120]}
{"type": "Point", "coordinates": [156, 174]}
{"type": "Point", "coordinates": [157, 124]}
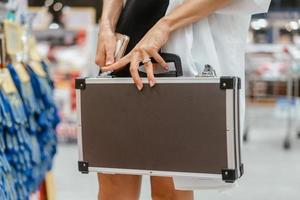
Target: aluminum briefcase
{"type": "Point", "coordinates": [182, 127]}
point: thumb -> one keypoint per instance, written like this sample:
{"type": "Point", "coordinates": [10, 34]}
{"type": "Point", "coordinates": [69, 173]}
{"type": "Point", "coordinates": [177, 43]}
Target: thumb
{"type": "Point", "coordinates": [110, 57]}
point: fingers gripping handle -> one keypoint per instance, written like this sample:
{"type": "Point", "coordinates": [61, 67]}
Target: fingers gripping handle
{"type": "Point", "coordinates": [173, 58]}
{"type": "Point", "coordinates": [168, 57]}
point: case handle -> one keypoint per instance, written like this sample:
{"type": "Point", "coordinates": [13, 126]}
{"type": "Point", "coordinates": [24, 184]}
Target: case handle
{"type": "Point", "coordinates": [169, 58]}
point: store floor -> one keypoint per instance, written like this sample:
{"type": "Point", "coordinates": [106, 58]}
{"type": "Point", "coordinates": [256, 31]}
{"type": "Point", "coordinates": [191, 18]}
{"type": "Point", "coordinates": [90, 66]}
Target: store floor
{"type": "Point", "coordinates": [270, 172]}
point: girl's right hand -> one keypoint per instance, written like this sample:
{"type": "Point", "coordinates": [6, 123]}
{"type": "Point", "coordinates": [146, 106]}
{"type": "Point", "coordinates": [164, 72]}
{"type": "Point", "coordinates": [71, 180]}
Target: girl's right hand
{"type": "Point", "coordinates": [106, 46]}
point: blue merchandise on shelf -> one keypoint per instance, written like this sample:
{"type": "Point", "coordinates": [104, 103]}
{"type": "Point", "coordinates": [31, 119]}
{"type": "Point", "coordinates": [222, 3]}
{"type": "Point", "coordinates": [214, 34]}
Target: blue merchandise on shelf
{"type": "Point", "coordinates": [48, 117]}
{"type": "Point", "coordinates": [28, 119]}
{"type": "Point", "coordinates": [35, 176]}
{"type": "Point", "coordinates": [46, 69]}
{"type": "Point", "coordinates": [17, 146]}
{"type": "Point", "coordinates": [7, 189]}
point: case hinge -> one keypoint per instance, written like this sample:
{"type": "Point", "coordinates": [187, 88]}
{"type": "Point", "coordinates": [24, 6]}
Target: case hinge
{"type": "Point", "coordinates": [83, 167]}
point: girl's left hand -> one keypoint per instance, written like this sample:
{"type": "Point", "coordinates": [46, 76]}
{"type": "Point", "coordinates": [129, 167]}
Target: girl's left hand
{"type": "Point", "coordinates": [146, 49]}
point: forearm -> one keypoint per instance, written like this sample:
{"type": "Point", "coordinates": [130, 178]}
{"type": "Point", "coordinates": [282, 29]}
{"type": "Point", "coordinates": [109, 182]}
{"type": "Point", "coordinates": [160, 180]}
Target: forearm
{"type": "Point", "coordinates": [191, 11]}
{"type": "Point", "coordinates": [111, 13]}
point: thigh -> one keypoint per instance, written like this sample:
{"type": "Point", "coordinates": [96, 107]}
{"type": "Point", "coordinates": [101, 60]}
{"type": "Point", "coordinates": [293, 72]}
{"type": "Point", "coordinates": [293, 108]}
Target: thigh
{"type": "Point", "coordinates": [163, 188]}
{"type": "Point", "coordinates": [119, 187]}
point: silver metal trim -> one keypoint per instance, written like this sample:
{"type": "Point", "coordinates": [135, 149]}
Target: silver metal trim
{"type": "Point", "coordinates": [232, 100]}
{"type": "Point", "coordinates": [230, 129]}
{"type": "Point", "coordinates": [79, 126]}
{"type": "Point", "coordinates": [152, 173]}
{"type": "Point", "coordinates": [237, 131]}
{"type": "Point", "coordinates": [158, 80]}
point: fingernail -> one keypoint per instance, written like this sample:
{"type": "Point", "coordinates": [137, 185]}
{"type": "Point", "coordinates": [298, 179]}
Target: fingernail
{"type": "Point", "coordinates": [140, 87]}
{"type": "Point", "coordinates": [152, 83]}
{"type": "Point", "coordinates": [109, 62]}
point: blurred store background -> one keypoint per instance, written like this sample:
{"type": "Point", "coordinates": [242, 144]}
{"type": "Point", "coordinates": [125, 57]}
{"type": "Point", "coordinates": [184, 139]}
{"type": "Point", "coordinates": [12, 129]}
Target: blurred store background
{"type": "Point", "coordinates": [66, 35]}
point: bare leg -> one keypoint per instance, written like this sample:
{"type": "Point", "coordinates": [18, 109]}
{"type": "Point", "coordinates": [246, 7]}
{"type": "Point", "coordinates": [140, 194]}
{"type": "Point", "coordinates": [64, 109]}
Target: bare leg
{"type": "Point", "coordinates": [119, 187]}
{"type": "Point", "coordinates": [163, 189]}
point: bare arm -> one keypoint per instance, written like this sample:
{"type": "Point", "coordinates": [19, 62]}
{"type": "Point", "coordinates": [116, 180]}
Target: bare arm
{"type": "Point", "coordinates": [107, 39]}
{"type": "Point", "coordinates": [187, 13]}
{"type": "Point", "coordinates": [191, 11]}
{"type": "Point", "coordinates": [111, 13]}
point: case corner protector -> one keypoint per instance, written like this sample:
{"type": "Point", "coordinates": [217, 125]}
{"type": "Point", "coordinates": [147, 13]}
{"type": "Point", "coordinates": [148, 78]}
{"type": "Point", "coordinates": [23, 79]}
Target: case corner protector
{"type": "Point", "coordinates": [80, 84]}
{"type": "Point", "coordinates": [229, 175]}
{"type": "Point", "coordinates": [228, 82]}
{"type": "Point", "coordinates": [83, 167]}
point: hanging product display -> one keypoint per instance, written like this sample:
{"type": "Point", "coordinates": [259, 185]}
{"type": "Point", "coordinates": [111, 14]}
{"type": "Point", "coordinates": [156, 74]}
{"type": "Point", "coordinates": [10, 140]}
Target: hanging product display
{"type": "Point", "coordinates": [28, 116]}
{"type": "Point", "coordinates": [7, 183]}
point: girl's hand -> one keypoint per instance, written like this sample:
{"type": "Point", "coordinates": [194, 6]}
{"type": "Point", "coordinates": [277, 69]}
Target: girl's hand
{"type": "Point", "coordinates": [146, 49]}
{"type": "Point", "coordinates": [106, 46]}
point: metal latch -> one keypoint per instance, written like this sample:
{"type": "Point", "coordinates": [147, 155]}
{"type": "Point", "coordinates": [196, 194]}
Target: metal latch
{"type": "Point", "coordinates": [208, 71]}
{"type": "Point", "coordinates": [105, 74]}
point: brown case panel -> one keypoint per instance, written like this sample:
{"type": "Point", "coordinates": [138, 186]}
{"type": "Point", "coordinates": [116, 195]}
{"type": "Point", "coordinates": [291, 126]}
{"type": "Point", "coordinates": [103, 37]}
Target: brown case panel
{"type": "Point", "coordinates": [172, 127]}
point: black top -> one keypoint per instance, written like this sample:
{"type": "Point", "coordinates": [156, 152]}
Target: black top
{"type": "Point", "coordinates": [136, 19]}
